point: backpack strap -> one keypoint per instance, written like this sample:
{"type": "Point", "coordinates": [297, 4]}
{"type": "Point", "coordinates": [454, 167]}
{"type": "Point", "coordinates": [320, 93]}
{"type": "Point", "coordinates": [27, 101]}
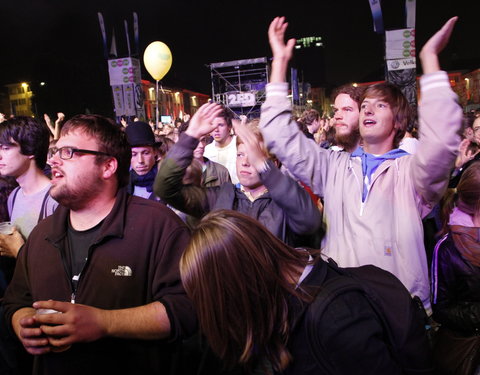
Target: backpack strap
{"type": "Point", "coordinates": [43, 209]}
{"type": "Point", "coordinates": [14, 197]}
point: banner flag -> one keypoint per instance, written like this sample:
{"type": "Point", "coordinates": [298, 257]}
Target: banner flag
{"type": "Point", "coordinates": [127, 37]}
{"type": "Point", "coordinates": [139, 100]}
{"type": "Point", "coordinates": [113, 46]}
{"type": "Point", "coordinates": [104, 35]}
{"type": "Point", "coordinates": [295, 93]}
{"type": "Point", "coordinates": [135, 34]}
{"type": "Point", "coordinates": [399, 64]}
{"type": "Point", "coordinates": [129, 99]}
{"type": "Point", "coordinates": [400, 44]}
{"type": "Point", "coordinates": [118, 100]}
{"type": "Point", "coordinates": [410, 12]}
{"type": "Point", "coordinates": [124, 70]}
{"type": "Point", "coordinates": [377, 16]}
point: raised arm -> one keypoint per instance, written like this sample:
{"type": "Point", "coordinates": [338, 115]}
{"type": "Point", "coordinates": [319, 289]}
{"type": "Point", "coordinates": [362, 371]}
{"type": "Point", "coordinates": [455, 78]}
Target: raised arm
{"type": "Point", "coordinates": [303, 216]}
{"type": "Point", "coordinates": [440, 122]}
{"type": "Point", "coordinates": [282, 52]}
{"type": "Point", "coordinates": [168, 183]}
{"type": "Point", "coordinates": [435, 45]}
{"type": "Point", "coordinates": [302, 156]}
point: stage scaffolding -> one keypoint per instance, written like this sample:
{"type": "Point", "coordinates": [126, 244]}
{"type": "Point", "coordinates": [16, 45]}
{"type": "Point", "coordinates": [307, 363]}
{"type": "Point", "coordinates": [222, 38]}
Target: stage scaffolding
{"type": "Point", "coordinates": [240, 85]}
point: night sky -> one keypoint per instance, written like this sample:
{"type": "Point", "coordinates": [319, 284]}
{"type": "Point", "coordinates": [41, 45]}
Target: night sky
{"type": "Point", "coordinates": [59, 42]}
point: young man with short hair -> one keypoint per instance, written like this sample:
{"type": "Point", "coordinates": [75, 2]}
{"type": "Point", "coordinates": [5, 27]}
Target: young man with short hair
{"type": "Point", "coordinates": [144, 160]}
{"type": "Point", "coordinates": [223, 149]}
{"type": "Point", "coordinates": [375, 198]}
{"type": "Point", "coordinates": [23, 155]}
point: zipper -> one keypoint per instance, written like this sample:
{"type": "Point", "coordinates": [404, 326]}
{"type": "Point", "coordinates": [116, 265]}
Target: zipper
{"type": "Point", "coordinates": [362, 204]}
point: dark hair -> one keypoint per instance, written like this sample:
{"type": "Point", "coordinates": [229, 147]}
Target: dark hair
{"type": "Point", "coordinates": [309, 116]}
{"type": "Point", "coordinates": [400, 107]}
{"type": "Point", "coordinates": [466, 196]}
{"type": "Point", "coordinates": [226, 114]}
{"type": "Point", "coordinates": [111, 140]}
{"type": "Point", "coordinates": [239, 277]}
{"type": "Point", "coordinates": [164, 144]}
{"type": "Point", "coordinates": [32, 137]}
{"type": "Point", "coordinates": [354, 92]}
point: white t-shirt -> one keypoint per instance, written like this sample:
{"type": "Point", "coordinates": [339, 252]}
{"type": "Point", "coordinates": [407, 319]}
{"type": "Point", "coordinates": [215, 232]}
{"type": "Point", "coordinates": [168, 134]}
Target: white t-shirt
{"type": "Point", "coordinates": [226, 156]}
{"type": "Point", "coordinates": [26, 208]}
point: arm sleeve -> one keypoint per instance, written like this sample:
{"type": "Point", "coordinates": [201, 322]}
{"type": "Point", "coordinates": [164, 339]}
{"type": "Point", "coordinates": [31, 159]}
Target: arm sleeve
{"type": "Point", "coordinates": [447, 308]}
{"type": "Point", "coordinates": [168, 182]}
{"type": "Point", "coordinates": [18, 294]}
{"type": "Point", "coordinates": [167, 287]}
{"type": "Point", "coordinates": [302, 156]}
{"type": "Point", "coordinates": [352, 338]}
{"type": "Point", "coordinates": [303, 216]}
{"type": "Point", "coordinates": [440, 123]}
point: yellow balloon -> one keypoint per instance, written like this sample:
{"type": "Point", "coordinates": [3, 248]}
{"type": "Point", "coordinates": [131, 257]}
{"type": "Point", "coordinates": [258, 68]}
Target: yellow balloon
{"type": "Point", "coordinates": [157, 59]}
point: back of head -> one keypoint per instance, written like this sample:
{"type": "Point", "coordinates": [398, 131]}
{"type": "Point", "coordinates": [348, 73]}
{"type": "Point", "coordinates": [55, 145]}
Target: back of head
{"type": "Point", "coordinates": [110, 139]}
{"type": "Point", "coordinates": [465, 197]}
{"type": "Point", "coordinates": [234, 270]}
{"type": "Point", "coordinates": [398, 103]}
{"type": "Point", "coordinates": [309, 116]}
{"type": "Point", "coordinates": [32, 137]}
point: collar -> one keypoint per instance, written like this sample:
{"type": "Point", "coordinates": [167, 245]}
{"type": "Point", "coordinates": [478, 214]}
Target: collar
{"type": "Point", "coordinates": [112, 226]}
{"type": "Point", "coordinates": [249, 195]}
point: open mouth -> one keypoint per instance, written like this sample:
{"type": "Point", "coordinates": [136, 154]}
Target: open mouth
{"type": "Point", "coordinates": [56, 174]}
{"type": "Point", "coordinates": [369, 122]}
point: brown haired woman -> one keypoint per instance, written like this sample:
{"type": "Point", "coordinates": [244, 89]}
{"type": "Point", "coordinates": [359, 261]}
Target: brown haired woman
{"type": "Point", "coordinates": [456, 278]}
{"type": "Point", "coordinates": [249, 289]}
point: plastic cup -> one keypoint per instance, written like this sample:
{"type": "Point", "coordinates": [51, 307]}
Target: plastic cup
{"type": "Point", "coordinates": [55, 349]}
{"type": "Point", "coordinates": [6, 227]}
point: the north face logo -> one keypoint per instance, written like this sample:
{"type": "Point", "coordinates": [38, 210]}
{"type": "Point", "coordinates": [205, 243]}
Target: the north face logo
{"type": "Point", "coordinates": [122, 271]}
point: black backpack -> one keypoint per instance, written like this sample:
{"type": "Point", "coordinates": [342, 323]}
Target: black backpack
{"type": "Point", "coordinates": [403, 318]}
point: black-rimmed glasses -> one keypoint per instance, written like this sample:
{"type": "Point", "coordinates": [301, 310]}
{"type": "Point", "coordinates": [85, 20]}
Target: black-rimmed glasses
{"type": "Point", "coordinates": [66, 153]}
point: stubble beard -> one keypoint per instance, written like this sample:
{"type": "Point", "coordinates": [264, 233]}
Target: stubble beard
{"type": "Point", "coordinates": [78, 197]}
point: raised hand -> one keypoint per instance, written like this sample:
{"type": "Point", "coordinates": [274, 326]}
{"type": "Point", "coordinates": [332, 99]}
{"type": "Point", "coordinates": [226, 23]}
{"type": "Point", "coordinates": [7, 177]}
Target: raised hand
{"type": "Point", "coordinates": [201, 122]}
{"type": "Point", "coordinates": [431, 49]}
{"type": "Point", "coordinates": [253, 147]}
{"type": "Point", "coordinates": [464, 154]}
{"type": "Point", "coordinates": [281, 51]}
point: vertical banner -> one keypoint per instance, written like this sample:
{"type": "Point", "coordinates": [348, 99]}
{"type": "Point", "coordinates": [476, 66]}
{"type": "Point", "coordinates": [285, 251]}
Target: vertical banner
{"type": "Point", "coordinates": [104, 34]}
{"type": "Point", "coordinates": [127, 37]}
{"type": "Point", "coordinates": [113, 46]}
{"type": "Point", "coordinates": [125, 73]}
{"type": "Point", "coordinates": [410, 13]}
{"type": "Point", "coordinates": [377, 16]}
{"type": "Point", "coordinates": [118, 100]}
{"type": "Point", "coordinates": [294, 78]}
{"type": "Point", "coordinates": [136, 34]}
{"type": "Point", "coordinates": [401, 63]}
{"type": "Point", "coordinates": [129, 99]}
{"type": "Point", "coordinates": [139, 101]}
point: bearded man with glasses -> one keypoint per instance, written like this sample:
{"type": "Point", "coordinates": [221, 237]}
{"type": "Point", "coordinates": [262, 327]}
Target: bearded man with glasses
{"type": "Point", "coordinates": [98, 281]}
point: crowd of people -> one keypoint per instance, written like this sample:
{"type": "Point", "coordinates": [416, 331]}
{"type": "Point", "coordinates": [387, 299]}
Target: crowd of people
{"type": "Point", "coordinates": [204, 246]}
